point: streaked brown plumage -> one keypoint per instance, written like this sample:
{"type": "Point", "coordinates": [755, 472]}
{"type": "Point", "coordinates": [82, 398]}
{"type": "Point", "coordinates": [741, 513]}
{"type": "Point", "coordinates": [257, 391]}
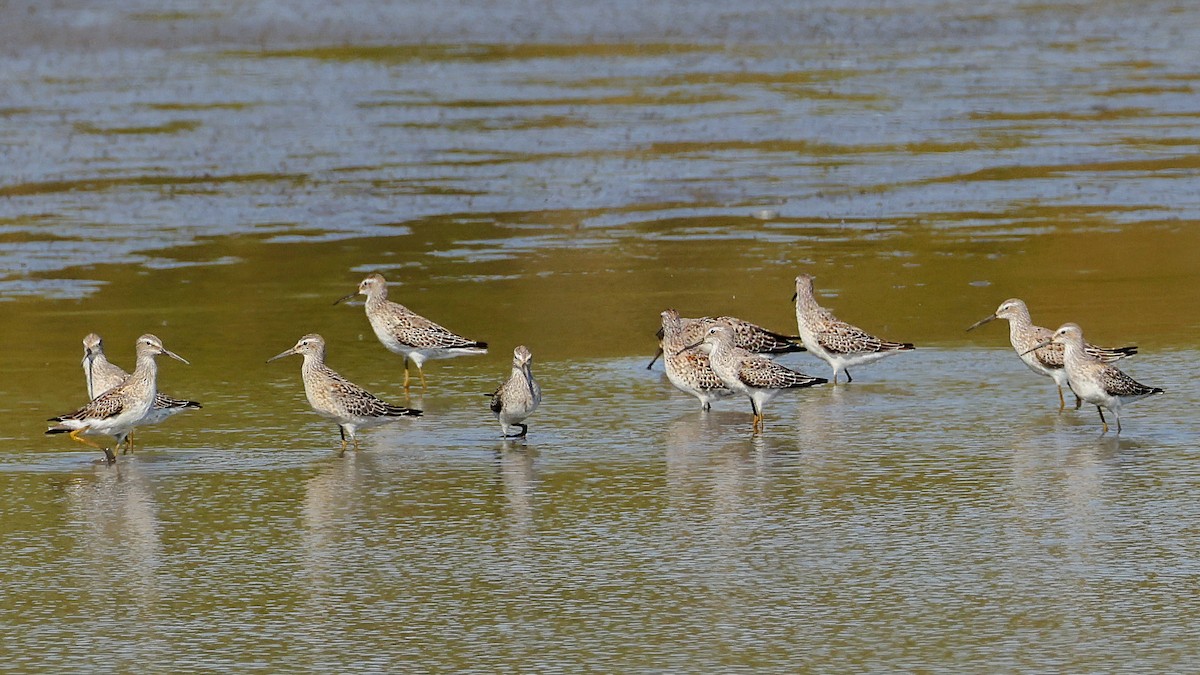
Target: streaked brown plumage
{"type": "Point", "coordinates": [334, 397]}
{"type": "Point", "coordinates": [519, 396]}
{"type": "Point", "coordinates": [753, 375]}
{"type": "Point", "coordinates": [748, 336]}
{"type": "Point", "coordinates": [1099, 383]}
{"type": "Point", "coordinates": [1048, 361]}
{"type": "Point", "coordinates": [689, 370]}
{"type": "Point", "coordinates": [102, 375]}
{"type": "Point", "coordinates": [407, 333]}
{"type": "Point", "coordinates": [117, 411]}
{"type": "Point", "coordinates": [834, 341]}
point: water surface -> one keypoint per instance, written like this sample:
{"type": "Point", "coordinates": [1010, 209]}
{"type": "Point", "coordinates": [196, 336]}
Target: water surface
{"type": "Point", "coordinates": [220, 175]}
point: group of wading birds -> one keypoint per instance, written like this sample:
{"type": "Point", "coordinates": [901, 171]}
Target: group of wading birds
{"type": "Point", "coordinates": [710, 358]}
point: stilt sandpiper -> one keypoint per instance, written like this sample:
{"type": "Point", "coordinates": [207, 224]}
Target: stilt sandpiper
{"type": "Point", "coordinates": [758, 378]}
{"type": "Point", "coordinates": [117, 411]}
{"type": "Point", "coordinates": [834, 341]}
{"type": "Point", "coordinates": [1099, 383]}
{"type": "Point", "coordinates": [407, 333]}
{"type": "Point", "coordinates": [746, 335]}
{"type": "Point", "coordinates": [334, 397]}
{"type": "Point", "coordinates": [689, 369]}
{"type": "Point", "coordinates": [1048, 361]}
{"type": "Point", "coordinates": [102, 375]}
{"type": "Point", "coordinates": [519, 396]}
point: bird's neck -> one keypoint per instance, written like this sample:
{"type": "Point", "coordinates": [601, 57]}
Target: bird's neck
{"type": "Point", "coordinates": [377, 296]}
{"type": "Point", "coordinates": [806, 302]}
{"type": "Point", "coordinates": [1073, 351]}
{"type": "Point", "coordinates": [146, 372]}
{"type": "Point", "coordinates": [671, 339]}
{"type": "Point", "coordinates": [720, 351]}
{"type": "Point", "coordinates": [313, 362]}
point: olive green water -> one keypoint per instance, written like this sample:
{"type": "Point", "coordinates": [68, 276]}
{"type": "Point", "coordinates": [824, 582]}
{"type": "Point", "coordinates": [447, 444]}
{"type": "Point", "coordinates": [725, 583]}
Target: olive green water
{"type": "Point", "coordinates": [219, 175]}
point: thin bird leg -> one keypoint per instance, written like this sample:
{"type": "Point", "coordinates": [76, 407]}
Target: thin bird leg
{"type": "Point", "coordinates": [421, 372]}
{"type": "Point", "coordinates": [521, 434]}
{"type": "Point", "coordinates": [355, 439]}
{"type": "Point", "coordinates": [1102, 420]}
{"type": "Point", "coordinates": [109, 456]}
{"type": "Point", "coordinates": [1062, 402]}
{"type": "Point", "coordinates": [848, 378]}
{"type": "Point", "coordinates": [128, 444]}
{"type": "Point", "coordinates": [1118, 414]}
{"type": "Point", "coordinates": [76, 437]}
{"type": "Point", "coordinates": [656, 355]}
{"type": "Point", "coordinates": [1078, 402]}
{"type": "Point", "coordinates": [406, 373]}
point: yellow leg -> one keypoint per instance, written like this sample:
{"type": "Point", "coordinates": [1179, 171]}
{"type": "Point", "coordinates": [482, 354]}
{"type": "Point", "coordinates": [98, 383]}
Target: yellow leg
{"type": "Point", "coordinates": [76, 437]}
{"type": "Point", "coordinates": [1062, 402]}
{"type": "Point", "coordinates": [128, 444]}
{"type": "Point", "coordinates": [406, 373]}
{"type": "Point", "coordinates": [421, 372]}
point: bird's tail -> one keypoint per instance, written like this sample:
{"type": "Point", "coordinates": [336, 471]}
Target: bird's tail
{"type": "Point", "coordinates": [1108, 355]}
{"type": "Point", "coordinates": [398, 411]}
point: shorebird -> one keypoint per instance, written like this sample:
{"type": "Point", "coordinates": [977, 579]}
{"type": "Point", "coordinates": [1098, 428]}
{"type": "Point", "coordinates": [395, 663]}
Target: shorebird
{"type": "Point", "coordinates": [1099, 383]}
{"type": "Point", "coordinates": [1048, 361]}
{"type": "Point", "coordinates": [834, 341]}
{"type": "Point", "coordinates": [334, 397]}
{"type": "Point", "coordinates": [518, 397]}
{"type": "Point", "coordinates": [102, 375]}
{"type": "Point", "coordinates": [407, 333]}
{"type": "Point", "coordinates": [755, 376]}
{"type": "Point", "coordinates": [117, 411]}
{"type": "Point", "coordinates": [748, 336]}
{"type": "Point", "coordinates": [689, 370]}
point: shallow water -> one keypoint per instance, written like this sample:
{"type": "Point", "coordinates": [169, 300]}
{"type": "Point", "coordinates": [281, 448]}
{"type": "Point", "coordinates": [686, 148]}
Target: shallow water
{"type": "Point", "coordinates": [218, 176]}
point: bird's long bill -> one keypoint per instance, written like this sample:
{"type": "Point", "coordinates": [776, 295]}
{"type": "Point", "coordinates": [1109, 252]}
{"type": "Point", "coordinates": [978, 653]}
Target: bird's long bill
{"type": "Point", "coordinates": [282, 354]}
{"type": "Point", "coordinates": [1037, 346]}
{"type": "Point", "coordinates": [91, 371]}
{"type": "Point", "coordinates": [691, 347]}
{"type": "Point", "coordinates": [175, 356]}
{"type": "Point", "coordinates": [794, 296]}
{"type": "Point", "coordinates": [656, 355]}
{"type": "Point", "coordinates": [982, 321]}
{"type": "Point", "coordinates": [339, 300]}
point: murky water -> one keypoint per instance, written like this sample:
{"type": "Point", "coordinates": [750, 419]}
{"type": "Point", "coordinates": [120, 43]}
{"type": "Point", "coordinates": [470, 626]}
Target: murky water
{"type": "Point", "coordinates": [218, 175]}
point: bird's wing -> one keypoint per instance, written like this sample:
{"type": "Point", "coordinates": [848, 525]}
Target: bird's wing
{"type": "Point", "coordinates": [762, 373]}
{"type": "Point", "coordinates": [839, 337]}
